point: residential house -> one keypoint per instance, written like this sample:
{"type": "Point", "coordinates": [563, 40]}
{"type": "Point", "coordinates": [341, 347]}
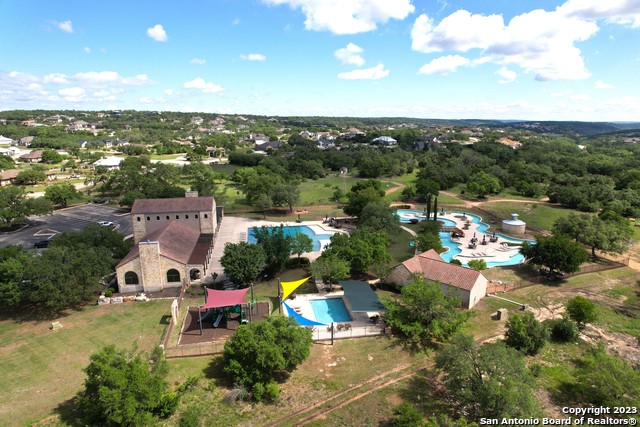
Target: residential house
{"type": "Point", "coordinates": [173, 243]}
{"type": "Point", "coordinates": [82, 143]}
{"type": "Point", "coordinates": [216, 151]}
{"type": "Point", "coordinates": [8, 176]}
{"type": "Point", "coordinates": [111, 162]}
{"type": "Point", "coordinates": [25, 141]}
{"type": "Point", "coordinates": [385, 140]}
{"type": "Point", "coordinates": [9, 152]}
{"type": "Point", "coordinates": [323, 144]}
{"type": "Point", "coordinates": [266, 146]}
{"type": "Point", "coordinates": [51, 175]}
{"type": "Point", "coordinates": [510, 143]}
{"type": "Point", "coordinates": [467, 284]}
{"type": "Point", "coordinates": [79, 125]}
{"type": "Point", "coordinates": [5, 142]}
{"type": "Point", "coordinates": [32, 157]}
{"type": "Point", "coordinates": [196, 120]}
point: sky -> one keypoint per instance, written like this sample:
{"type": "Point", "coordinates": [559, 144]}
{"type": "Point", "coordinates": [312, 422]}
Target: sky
{"type": "Point", "coordinates": [447, 59]}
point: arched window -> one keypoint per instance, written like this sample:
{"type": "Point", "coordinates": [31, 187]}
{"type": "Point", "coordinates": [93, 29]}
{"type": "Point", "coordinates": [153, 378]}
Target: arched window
{"type": "Point", "coordinates": [173, 275]}
{"type": "Point", "coordinates": [130, 278]}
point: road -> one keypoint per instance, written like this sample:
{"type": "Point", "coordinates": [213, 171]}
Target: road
{"type": "Point", "coordinates": [66, 220]}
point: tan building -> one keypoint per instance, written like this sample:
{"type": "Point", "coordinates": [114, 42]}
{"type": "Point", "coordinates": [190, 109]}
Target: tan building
{"type": "Point", "coordinates": [173, 243]}
{"type": "Point", "coordinates": [468, 284]}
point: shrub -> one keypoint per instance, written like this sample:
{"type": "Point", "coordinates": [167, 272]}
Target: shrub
{"type": "Point", "coordinates": [405, 415]}
{"type": "Point", "coordinates": [477, 264]}
{"type": "Point", "coordinates": [565, 330]}
{"type": "Point", "coordinates": [191, 417]}
{"type": "Point", "coordinates": [108, 293]}
{"type": "Point", "coordinates": [526, 334]}
{"type": "Point", "coordinates": [581, 310]}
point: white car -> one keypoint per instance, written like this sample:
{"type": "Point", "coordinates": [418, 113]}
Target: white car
{"type": "Point", "coordinates": [106, 223]}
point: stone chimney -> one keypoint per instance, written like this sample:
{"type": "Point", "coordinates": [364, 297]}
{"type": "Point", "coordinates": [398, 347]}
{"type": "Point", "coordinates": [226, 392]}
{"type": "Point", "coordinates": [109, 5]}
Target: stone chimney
{"type": "Point", "coordinates": [191, 193]}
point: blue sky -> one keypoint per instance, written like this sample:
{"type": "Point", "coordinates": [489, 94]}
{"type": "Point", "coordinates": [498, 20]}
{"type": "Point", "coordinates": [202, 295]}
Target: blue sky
{"type": "Point", "coordinates": [490, 59]}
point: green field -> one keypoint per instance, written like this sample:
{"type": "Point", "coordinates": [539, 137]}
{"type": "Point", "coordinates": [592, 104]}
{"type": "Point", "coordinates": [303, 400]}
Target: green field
{"type": "Point", "coordinates": [538, 215]}
{"type": "Point", "coordinates": [42, 368]}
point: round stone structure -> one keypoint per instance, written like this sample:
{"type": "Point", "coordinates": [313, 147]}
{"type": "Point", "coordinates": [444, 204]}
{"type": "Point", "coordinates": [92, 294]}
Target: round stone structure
{"type": "Point", "coordinates": [514, 225]}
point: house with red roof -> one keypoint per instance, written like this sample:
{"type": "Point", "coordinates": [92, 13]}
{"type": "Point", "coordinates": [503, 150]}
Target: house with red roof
{"type": "Point", "coordinates": [468, 284]}
{"type": "Point", "coordinates": [173, 243]}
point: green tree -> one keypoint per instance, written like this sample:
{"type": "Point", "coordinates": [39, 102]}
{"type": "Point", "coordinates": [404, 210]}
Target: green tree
{"type": "Point", "coordinates": [564, 330]}
{"type": "Point", "coordinates": [243, 262]}
{"type": "Point", "coordinates": [526, 334]}
{"type": "Point", "coordinates": [482, 183]}
{"type": "Point", "coordinates": [60, 193]}
{"type": "Point", "coordinates": [361, 249]}
{"type": "Point", "coordinates": [379, 217]}
{"type": "Point", "coordinates": [330, 269]}
{"type": "Point", "coordinates": [12, 266]}
{"type": "Point", "coordinates": [276, 245]}
{"type": "Point", "coordinates": [264, 203]}
{"type": "Point", "coordinates": [425, 241]}
{"type": "Point", "coordinates": [266, 351]}
{"type": "Point", "coordinates": [15, 207]}
{"type": "Point", "coordinates": [426, 189]}
{"type": "Point", "coordinates": [95, 236]}
{"type": "Point", "coordinates": [489, 381]}
{"type": "Point", "coordinates": [477, 264]}
{"type": "Point", "coordinates": [31, 177]}
{"type": "Point", "coordinates": [285, 195]}
{"type": "Point", "coordinates": [423, 315]}
{"type": "Point", "coordinates": [361, 194]}
{"type": "Point", "coordinates": [125, 389]}
{"type": "Point", "coordinates": [582, 310]}
{"type": "Point", "coordinates": [605, 380]}
{"type": "Point", "coordinates": [65, 277]}
{"type": "Point", "coordinates": [557, 252]}
{"type": "Point", "coordinates": [611, 236]}
{"type": "Point", "coordinates": [51, 156]}
{"type": "Point", "coordinates": [300, 244]}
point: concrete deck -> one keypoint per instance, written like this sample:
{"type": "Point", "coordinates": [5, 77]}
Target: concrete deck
{"type": "Point", "coordinates": [234, 230]}
{"type": "Point", "coordinates": [491, 252]}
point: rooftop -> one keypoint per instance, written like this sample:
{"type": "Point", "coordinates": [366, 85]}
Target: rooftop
{"type": "Point", "coordinates": [179, 204]}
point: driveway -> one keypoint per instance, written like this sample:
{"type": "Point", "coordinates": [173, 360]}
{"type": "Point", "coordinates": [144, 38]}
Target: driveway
{"type": "Point", "coordinates": [66, 220]}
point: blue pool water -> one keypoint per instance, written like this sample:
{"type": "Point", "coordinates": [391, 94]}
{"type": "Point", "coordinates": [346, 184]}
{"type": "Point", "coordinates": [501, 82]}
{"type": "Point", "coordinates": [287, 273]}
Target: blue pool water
{"type": "Point", "coordinates": [292, 230]}
{"type": "Point", "coordinates": [453, 248]}
{"type": "Point", "coordinates": [330, 310]}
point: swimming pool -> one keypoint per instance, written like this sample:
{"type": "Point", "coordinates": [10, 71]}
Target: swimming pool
{"type": "Point", "coordinates": [330, 310]}
{"type": "Point", "coordinates": [319, 239]}
{"type": "Point", "coordinates": [452, 247]}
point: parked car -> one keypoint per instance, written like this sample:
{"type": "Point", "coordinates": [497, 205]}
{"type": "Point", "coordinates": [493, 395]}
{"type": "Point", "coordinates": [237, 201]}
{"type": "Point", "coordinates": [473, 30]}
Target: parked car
{"type": "Point", "coordinates": [106, 223]}
{"type": "Point", "coordinates": [74, 175]}
{"type": "Point", "coordinates": [100, 201]}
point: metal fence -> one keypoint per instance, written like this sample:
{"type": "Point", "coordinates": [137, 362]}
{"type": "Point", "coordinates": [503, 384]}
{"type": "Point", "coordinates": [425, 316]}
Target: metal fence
{"type": "Point", "coordinates": [193, 350]}
{"type": "Point", "coordinates": [343, 331]}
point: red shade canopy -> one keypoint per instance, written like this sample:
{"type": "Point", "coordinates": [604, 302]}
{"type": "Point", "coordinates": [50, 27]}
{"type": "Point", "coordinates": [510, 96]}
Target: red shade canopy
{"type": "Point", "coordinates": [216, 299]}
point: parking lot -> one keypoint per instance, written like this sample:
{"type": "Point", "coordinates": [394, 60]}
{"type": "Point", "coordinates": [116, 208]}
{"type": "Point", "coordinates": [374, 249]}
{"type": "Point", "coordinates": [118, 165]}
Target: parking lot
{"type": "Point", "coordinates": [66, 220]}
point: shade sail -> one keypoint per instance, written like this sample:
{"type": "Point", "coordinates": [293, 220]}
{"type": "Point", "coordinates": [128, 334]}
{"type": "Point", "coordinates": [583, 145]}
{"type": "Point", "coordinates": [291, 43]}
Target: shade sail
{"type": "Point", "coordinates": [362, 297]}
{"type": "Point", "coordinates": [289, 287]}
{"type": "Point", "coordinates": [217, 299]}
{"type": "Point", "coordinates": [302, 321]}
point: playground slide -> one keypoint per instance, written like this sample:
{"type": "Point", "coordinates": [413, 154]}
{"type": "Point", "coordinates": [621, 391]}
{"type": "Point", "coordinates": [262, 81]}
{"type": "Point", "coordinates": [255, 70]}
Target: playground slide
{"type": "Point", "coordinates": [218, 319]}
{"type": "Point", "coordinates": [206, 315]}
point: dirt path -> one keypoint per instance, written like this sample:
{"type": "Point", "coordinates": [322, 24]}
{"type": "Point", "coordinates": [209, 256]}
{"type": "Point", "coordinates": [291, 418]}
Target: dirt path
{"type": "Point", "coordinates": [474, 203]}
{"type": "Point", "coordinates": [318, 409]}
{"type": "Point", "coordinates": [398, 186]}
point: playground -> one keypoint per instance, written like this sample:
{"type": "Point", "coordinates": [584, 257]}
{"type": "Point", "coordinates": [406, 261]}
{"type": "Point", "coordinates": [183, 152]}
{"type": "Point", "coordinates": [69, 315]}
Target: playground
{"type": "Point", "coordinates": [222, 313]}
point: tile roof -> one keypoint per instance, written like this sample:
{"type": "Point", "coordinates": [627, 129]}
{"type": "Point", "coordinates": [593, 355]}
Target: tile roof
{"type": "Point", "coordinates": [179, 204]}
{"type": "Point", "coordinates": [177, 242]}
{"type": "Point", "coordinates": [36, 154]}
{"type": "Point", "coordinates": [9, 174]}
{"type": "Point", "coordinates": [432, 267]}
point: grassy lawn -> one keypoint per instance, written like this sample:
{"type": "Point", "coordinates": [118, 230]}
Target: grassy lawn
{"type": "Point", "coordinates": [507, 193]}
{"type": "Point", "coordinates": [166, 156]}
{"type": "Point", "coordinates": [320, 191]}
{"type": "Point", "coordinates": [224, 168]}
{"type": "Point", "coordinates": [399, 248]}
{"type": "Point", "coordinates": [328, 370]}
{"type": "Point", "coordinates": [42, 368]}
{"type": "Point", "coordinates": [536, 215]}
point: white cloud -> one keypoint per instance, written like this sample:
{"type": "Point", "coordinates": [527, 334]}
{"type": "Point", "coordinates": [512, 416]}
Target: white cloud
{"type": "Point", "coordinates": [444, 65]}
{"type": "Point", "coordinates": [65, 26]}
{"type": "Point", "coordinates": [168, 92]}
{"type": "Point", "coordinates": [623, 12]}
{"type": "Point", "coordinates": [507, 75]}
{"type": "Point", "coordinates": [198, 61]}
{"type": "Point", "coordinates": [56, 78]}
{"type": "Point", "coordinates": [146, 100]}
{"type": "Point", "coordinates": [579, 97]}
{"type": "Point", "coordinates": [373, 73]}
{"type": "Point", "coordinates": [86, 49]}
{"type": "Point", "coordinates": [539, 42]}
{"type": "Point", "coordinates": [602, 85]}
{"type": "Point", "coordinates": [347, 16]}
{"type": "Point", "coordinates": [72, 93]}
{"type": "Point", "coordinates": [157, 33]}
{"type": "Point", "coordinates": [202, 85]}
{"type": "Point", "coordinates": [350, 55]}
{"type": "Point", "coordinates": [254, 57]}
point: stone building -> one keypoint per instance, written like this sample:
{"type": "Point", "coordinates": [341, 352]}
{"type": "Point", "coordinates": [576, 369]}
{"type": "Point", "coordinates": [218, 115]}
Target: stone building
{"type": "Point", "coordinates": [173, 243]}
{"type": "Point", "coordinates": [467, 284]}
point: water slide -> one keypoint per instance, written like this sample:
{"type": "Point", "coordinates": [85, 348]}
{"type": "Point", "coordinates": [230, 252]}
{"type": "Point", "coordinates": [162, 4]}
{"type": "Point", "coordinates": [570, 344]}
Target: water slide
{"type": "Point", "coordinates": [205, 315]}
{"type": "Point", "coordinates": [216, 323]}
